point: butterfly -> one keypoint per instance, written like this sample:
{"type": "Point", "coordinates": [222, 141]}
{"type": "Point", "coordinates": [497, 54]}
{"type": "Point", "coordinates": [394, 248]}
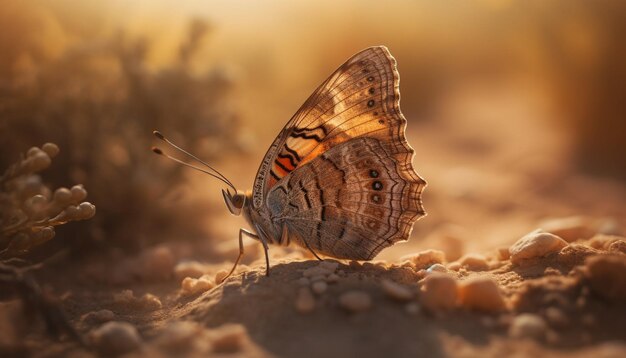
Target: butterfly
{"type": "Point", "coordinates": [338, 180]}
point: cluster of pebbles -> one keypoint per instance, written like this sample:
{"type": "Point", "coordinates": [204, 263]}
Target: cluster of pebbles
{"type": "Point", "coordinates": [475, 282]}
{"type": "Point", "coordinates": [424, 283]}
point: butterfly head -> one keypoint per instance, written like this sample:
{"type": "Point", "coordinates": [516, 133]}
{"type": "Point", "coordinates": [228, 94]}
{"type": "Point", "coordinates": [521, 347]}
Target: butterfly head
{"type": "Point", "coordinates": [235, 202]}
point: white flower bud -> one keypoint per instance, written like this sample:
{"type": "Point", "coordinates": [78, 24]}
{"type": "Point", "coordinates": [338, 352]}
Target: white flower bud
{"type": "Point", "coordinates": [35, 206]}
{"type": "Point", "coordinates": [62, 196]}
{"type": "Point", "coordinates": [70, 213]}
{"type": "Point", "coordinates": [78, 193]}
{"type": "Point", "coordinates": [51, 149]}
{"type": "Point", "coordinates": [86, 210]}
{"type": "Point", "coordinates": [38, 162]}
{"type": "Point", "coordinates": [32, 152]}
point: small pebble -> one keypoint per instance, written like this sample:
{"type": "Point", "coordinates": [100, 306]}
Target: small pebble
{"type": "Point", "coordinates": [474, 262]}
{"type": "Point", "coordinates": [114, 338]}
{"type": "Point", "coordinates": [330, 266]}
{"type": "Point", "coordinates": [569, 229]}
{"type": "Point", "coordinates": [482, 294]}
{"type": "Point", "coordinates": [454, 266]}
{"type": "Point", "coordinates": [332, 278]}
{"type": "Point", "coordinates": [305, 302]}
{"type": "Point", "coordinates": [319, 287]}
{"type": "Point", "coordinates": [229, 338]}
{"type": "Point", "coordinates": [603, 242]}
{"type": "Point", "coordinates": [220, 276]}
{"type": "Point", "coordinates": [426, 258]}
{"type": "Point", "coordinates": [437, 268]}
{"type": "Point", "coordinates": [303, 281]}
{"type": "Point", "coordinates": [192, 286]}
{"type": "Point", "coordinates": [355, 301]}
{"type": "Point", "coordinates": [618, 246]}
{"type": "Point", "coordinates": [535, 244]}
{"type": "Point", "coordinates": [528, 325]}
{"type": "Point", "coordinates": [606, 276]}
{"type": "Point", "coordinates": [396, 291]}
{"type": "Point", "coordinates": [179, 335]}
{"type": "Point", "coordinates": [439, 292]}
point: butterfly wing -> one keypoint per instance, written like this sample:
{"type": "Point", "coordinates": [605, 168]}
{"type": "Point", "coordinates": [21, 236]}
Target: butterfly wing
{"type": "Point", "coordinates": [360, 99]}
{"type": "Point", "coordinates": [349, 202]}
{"type": "Point", "coordinates": [339, 176]}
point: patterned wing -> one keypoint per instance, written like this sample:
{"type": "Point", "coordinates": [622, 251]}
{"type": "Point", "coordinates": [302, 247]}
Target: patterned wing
{"type": "Point", "coordinates": [349, 202]}
{"type": "Point", "coordinates": [360, 99]}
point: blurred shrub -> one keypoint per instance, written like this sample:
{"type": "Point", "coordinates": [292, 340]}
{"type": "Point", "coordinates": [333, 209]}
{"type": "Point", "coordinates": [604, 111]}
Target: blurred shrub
{"type": "Point", "coordinates": [100, 101]}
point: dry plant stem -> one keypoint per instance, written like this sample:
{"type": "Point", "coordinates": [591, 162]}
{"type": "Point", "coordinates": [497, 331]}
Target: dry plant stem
{"type": "Point", "coordinates": [34, 299]}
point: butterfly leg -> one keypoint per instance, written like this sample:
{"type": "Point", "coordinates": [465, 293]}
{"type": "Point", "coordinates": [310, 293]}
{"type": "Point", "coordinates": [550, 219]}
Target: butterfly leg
{"type": "Point", "coordinates": [267, 256]}
{"type": "Point", "coordinates": [241, 232]}
{"type": "Point", "coordinates": [313, 252]}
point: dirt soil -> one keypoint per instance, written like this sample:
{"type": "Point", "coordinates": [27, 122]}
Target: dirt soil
{"type": "Point", "coordinates": [485, 290]}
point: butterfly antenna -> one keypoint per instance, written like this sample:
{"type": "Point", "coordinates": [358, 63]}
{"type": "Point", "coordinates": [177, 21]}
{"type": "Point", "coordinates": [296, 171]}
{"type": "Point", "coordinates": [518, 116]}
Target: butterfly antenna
{"type": "Point", "coordinates": [160, 152]}
{"type": "Point", "coordinates": [215, 173]}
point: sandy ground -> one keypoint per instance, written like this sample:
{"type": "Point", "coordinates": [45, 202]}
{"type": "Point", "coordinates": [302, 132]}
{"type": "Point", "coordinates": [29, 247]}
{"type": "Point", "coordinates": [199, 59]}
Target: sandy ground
{"type": "Point", "coordinates": [564, 296]}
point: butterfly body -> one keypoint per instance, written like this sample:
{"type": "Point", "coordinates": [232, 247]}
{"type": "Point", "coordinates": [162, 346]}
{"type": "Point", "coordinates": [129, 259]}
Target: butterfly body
{"type": "Point", "coordinates": [338, 180]}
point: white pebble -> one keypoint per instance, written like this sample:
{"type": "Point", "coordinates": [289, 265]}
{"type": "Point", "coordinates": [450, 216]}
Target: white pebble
{"type": "Point", "coordinates": [535, 244]}
{"type": "Point", "coordinates": [437, 268]}
{"type": "Point", "coordinates": [116, 338]}
{"type": "Point", "coordinates": [396, 291]}
{"type": "Point", "coordinates": [355, 301]}
{"type": "Point", "coordinates": [528, 325]}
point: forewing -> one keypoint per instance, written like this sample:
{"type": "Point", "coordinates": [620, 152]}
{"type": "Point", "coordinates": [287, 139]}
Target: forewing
{"type": "Point", "coordinates": [360, 99]}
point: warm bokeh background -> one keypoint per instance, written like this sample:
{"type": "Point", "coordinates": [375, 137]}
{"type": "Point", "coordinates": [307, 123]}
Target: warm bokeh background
{"type": "Point", "coordinates": [516, 108]}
